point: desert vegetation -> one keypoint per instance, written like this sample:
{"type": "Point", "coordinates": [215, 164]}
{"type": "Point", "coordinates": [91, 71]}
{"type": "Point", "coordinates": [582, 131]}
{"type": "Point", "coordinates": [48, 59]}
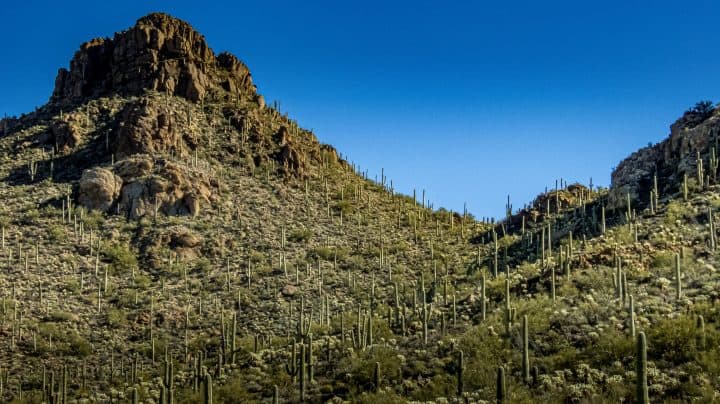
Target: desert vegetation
{"type": "Point", "coordinates": [183, 242]}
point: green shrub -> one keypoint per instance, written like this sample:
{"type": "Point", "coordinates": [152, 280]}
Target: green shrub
{"type": "Point", "coordinates": [672, 340]}
{"type": "Point", "coordinates": [345, 207]}
{"type": "Point", "coordinates": [62, 316]}
{"type": "Point", "coordinates": [57, 233]}
{"type": "Point", "coordinates": [116, 318]}
{"type": "Point", "coordinates": [663, 260]}
{"type": "Point", "coordinates": [360, 370]}
{"type": "Point", "coordinates": [678, 210]}
{"type": "Point", "coordinates": [325, 253]}
{"type": "Point", "coordinates": [121, 258]}
{"type": "Point", "coordinates": [300, 235]}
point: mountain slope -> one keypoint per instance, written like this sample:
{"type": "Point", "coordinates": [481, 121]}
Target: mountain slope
{"type": "Point", "coordinates": [157, 211]}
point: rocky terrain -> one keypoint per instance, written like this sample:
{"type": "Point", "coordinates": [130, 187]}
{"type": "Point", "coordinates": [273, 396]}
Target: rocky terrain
{"type": "Point", "coordinates": [167, 237]}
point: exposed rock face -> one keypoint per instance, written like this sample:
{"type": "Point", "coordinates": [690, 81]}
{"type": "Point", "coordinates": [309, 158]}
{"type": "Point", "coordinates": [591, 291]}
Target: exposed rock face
{"type": "Point", "coordinates": [99, 187]}
{"type": "Point", "coordinates": [141, 186]}
{"type": "Point", "coordinates": [65, 134]}
{"type": "Point", "coordinates": [147, 127]}
{"type": "Point", "coordinates": [159, 53]}
{"type": "Point", "coordinates": [670, 159]}
{"type": "Point", "coordinates": [183, 242]}
{"type": "Point", "coordinates": [291, 158]}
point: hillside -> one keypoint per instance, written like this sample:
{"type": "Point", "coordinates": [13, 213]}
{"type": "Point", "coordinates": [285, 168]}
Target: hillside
{"type": "Point", "coordinates": [166, 236]}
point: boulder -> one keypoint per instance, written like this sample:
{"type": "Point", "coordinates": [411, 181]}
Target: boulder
{"type": "Point", "coordinates": [99, 187]}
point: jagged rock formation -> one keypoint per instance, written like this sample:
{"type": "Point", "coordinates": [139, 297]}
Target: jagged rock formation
{"type": "Point", "coordinates": [147, 127]}
{"type": "Point", "coordinates": [670, 160]}
{"type": "Point", "coordinates": [153, 98]}
{"type": "Point", "coordinates": [159, 53]}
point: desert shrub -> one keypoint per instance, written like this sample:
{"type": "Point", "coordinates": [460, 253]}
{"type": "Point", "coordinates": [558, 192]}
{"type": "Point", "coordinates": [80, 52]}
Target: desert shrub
{"type": "Point", "coordinates": [483, 352]}
{"type": "Point", "coordinates": [202, 265]}
{"type": "Point", "coordinates": [345, 206]}
{"type": "Point", "coordinates": [300, 235]}
{"type": "Point", "coordinates": [677, 210]}
{"type": "Point", "coordinates": [30, 217]}
{"type": "Point", "coordinates": [256, 257]}
{"type": "Point", "coordinates": [440, 385]}
{"type": "Point", "coordinates": [64, 341]}
{"type": "Point", "coordinates": [325, 253]}
{"type": "Point", "coordinates": [672, 340]}
{"type": "Point", "coordinates": [662, 260]}
{"type": "Point", "coordinates": [233, 391]}
{"type": "Point", "coordinates": [360, 370]}
{"type": "Point", "coordinates": [116, 318]}
{"type": "Point", "coordinates": [57, 233]}
{"type": "Point", "coordinates": [121, 258]}
{"type": "Point", "coordinates": [612, 346]}
{"type": "Point", "coordinates": [93, 220]}
{"type": "Point", "coordinates": [379, 397]}
{"type": "Point", "coordinates": [62, 316]}
{"type": "Point", "coordinates": [142, 281]}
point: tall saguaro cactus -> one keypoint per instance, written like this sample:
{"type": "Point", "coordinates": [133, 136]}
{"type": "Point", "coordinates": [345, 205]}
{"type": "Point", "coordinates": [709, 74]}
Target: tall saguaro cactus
{"type": "Point", "coordinates": [500, 385]}
{"type": "Point", "coordinates": [460, 371]}
{"type": "Point", "coordinates": [642, 395]}
{"type": "Point", "coordinates": [525, 351]}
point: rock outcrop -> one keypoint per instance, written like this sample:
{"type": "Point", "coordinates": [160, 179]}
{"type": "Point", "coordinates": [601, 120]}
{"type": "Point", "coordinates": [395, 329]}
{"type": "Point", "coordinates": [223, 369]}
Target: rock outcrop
{"type": "Point", "coordinates": [670, 160]}
{"type": "Point", "coordinates": [141, 187]}
{"type": "Point", "coordinates": [159, 53]}
{"type": "Point", "coordinates": [99, 188]}
{"type": "Point", "coordinates": [147, 127]}
{"type": "Point", "coordinates": [152, 99]}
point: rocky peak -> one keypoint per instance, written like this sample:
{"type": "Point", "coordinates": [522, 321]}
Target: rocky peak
{"type": "Point", "coordinates": [160, 53]}
{"type": "Point", "coordinates": [141, 122]}
{"type": "Point", "coordinates": [691, 135]}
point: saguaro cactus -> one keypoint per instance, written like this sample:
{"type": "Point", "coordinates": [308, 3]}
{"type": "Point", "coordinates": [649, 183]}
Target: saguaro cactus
{"type": "Point", "coordinates": [700, 329]}
{"type": "Point", "coordinates": [207, 393]}
{"type": "Point", "coordinates": [632, 316]}
{"type": "Point", "coordinates": [642, 395]}
{"type": "Point", "coordinates": [525, 351]}
{"type": "Point", "coordinates": [376, 376]}
{"type": "Point", "coordinates": [461, 369]}
{"type": "Point", "coordinates": [678, 283]}
{"type": "Point", "coordinates": [500, 385]}
{"type": "Point", "coordinates": [302, 373]}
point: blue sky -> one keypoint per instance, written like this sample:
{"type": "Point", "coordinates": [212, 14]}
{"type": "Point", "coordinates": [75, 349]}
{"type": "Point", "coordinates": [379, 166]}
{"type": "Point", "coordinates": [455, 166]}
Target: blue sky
{"type": "Point", "coordinates": [471, 101]}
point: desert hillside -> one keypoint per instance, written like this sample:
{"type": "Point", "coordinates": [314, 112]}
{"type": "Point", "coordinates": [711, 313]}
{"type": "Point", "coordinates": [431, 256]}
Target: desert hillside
{"type": "Point", "coordinates": [167, 237]}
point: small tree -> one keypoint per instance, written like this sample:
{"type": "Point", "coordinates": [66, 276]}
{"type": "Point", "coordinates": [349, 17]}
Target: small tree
{"type": "Point", "coordinates": [700, 112]}
{"type": "Point", "coordinates": [703, 108]}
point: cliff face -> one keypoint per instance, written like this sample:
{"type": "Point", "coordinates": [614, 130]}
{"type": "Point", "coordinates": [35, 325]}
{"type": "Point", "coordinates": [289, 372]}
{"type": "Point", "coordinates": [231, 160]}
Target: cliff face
{"type": "Point", "coordinates": [159, 53]}
{"type": "Point", "coordinates": [670, 160]}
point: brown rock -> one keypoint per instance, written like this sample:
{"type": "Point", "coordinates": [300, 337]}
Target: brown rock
{"type": "Point", "coordinates": [170, 189]}
{"type": "Point", "coordinates": [159, 53]}
{"type": "Point", "coordinates": [291, 158]}
{"type": "Point", "coordinates": [65, 135]}
{"type": "Point", "coordinates": [289, 290]}
{"type": "Point", "coordinates": [182, 237]}
{"type": "Point", "coordinates": [135, 166]}
{"type": "Point", "coordinates": [670, 159]}
{"type": "Point", "coordinates": [99, 187]}
{"type": "Point", "coordinates": [148, 127]}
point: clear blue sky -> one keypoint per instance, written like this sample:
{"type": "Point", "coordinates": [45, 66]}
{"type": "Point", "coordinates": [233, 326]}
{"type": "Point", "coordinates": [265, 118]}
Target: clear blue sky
{"type": "Point", "coordinates": [470, 100]}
